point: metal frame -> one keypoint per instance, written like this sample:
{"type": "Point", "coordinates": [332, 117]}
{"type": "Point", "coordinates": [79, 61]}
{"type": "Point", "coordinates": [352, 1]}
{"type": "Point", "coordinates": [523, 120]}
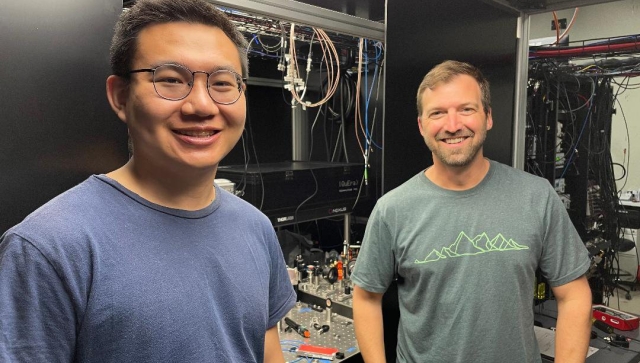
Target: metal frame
{"type": "Point", "coordinates": [520, 107]}
{"type": "Point", "coordinates": [265, 82]}
{"type": "Point", "coordinates": [311, 15]}
{"type": "Point", "coordinates": [548, 5]}
{"type": "Point", "coordinates": [384, 113]}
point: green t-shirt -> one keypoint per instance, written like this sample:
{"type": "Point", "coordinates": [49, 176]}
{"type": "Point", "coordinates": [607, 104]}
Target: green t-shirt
{"type": "Point", "coordinates": [468, 260]}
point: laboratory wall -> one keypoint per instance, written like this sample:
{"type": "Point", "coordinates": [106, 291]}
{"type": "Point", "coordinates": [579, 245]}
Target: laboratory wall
{"type": "Point", "coordinates": [422, 34]}
{"type": "Point", "coordinates": [57, 127]}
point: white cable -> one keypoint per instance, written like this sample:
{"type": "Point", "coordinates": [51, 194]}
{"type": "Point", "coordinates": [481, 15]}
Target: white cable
{"type": "Point", "coordinates": [330, 54]}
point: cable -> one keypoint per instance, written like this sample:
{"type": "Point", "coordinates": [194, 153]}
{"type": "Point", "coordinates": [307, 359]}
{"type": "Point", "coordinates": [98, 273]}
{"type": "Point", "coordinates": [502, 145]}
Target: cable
{"type": "Point", "coordinates": [250, 42]}
{"type": "Point", "coordinates": [295, 214]}
{"type": "Point", "coordinates": [584, 50]}
{"type": "Point", "coordinates": [557, 26]}
{"type": "Point", "coordinates": [313, 125]}
{"type": "Point", "coordinates": [566, 31]}
{"type": "Point", "coordinates": [573, 147]}
{"type": "Point", "coordinates": [331, 58]}
{"type": "Point", "coordinates": [624, 171]}
{"type": "Point", "coordinates": [344, 139]}
{"type": "Point", "coordinates": [626, 125]}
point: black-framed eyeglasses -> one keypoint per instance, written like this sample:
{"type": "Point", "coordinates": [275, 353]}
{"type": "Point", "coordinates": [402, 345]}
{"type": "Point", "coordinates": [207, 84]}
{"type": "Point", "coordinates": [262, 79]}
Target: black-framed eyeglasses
{"type": "Point", "coordinates": [174, 82]}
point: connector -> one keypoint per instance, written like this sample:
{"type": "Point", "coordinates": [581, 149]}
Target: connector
{"type": "Point", "coordinates": [617, 340]}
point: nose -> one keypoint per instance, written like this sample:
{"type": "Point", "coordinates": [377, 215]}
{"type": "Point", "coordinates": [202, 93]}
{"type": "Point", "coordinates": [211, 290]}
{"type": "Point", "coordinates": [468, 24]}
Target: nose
{"type": "Point", "coordinates": [452, 122]}
{"type": "Point", "coordinates": [199, 102]}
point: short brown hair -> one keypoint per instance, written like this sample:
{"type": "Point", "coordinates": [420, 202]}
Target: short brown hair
{"type": "Point", "coordinates": [445, 71]}
{"type": "Point", "coordinates": [149, 12]}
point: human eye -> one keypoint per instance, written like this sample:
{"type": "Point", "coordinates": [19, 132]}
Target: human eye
{"type": "Point", "coordinates": [223, 81]}
{"type": "Point", "coordinates": [170, 80]}
{"type": "Point", "coordinates": [170, 75]}
{"type": "Point", "coordinates": [435, 114]}
{"type": "Point", "coordinates": [468, 110]}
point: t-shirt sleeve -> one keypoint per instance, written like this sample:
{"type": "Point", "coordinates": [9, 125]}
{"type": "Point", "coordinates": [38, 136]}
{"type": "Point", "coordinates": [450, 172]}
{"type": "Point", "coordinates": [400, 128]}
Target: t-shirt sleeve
{"type": "Point", "coordinates": [37, 318]}
{"type": "Point", "coordinates": [374, 269]}
{"type": "Point", "coordinates": [564, 255]}
{"type": "Point", "coordinates": [282, 297]}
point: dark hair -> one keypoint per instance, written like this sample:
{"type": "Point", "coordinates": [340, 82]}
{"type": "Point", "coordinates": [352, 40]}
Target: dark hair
{"type": "Point", "coordinates": [443, 72]}
{"type": "Point", "coordinates": [149, 12]}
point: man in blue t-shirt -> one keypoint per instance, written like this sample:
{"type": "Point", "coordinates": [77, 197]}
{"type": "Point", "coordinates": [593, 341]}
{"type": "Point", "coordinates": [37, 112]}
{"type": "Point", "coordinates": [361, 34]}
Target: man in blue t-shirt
{"type": "Point", "coordinates": [153, 262]}
{"type": "Point", "coordinates": [466, 236]}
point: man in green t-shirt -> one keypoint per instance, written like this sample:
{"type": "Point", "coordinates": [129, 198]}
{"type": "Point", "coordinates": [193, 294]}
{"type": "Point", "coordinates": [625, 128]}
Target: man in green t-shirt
{"type": "Point", "coordinates": [467, 235]}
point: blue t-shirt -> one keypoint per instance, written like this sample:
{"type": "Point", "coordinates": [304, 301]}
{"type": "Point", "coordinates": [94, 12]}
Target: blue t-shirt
{"type": "Point", "coordinates": [99, 274]}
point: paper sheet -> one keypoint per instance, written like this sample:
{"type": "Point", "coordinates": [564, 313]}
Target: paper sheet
{"type": "Point", "coordinates": [547, 342]}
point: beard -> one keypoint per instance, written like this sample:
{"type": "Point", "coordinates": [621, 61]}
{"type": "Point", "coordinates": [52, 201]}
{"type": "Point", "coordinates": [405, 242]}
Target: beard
{"type": "Point", "coordinates": [461, 156]}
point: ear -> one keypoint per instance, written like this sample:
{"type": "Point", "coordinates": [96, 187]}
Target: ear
{"type": "Point", "coordinates": [489, 120]}
{"type": "Point", "coordinates": [118, 94]}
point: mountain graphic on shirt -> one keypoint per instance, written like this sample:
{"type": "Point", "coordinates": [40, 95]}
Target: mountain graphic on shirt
{"type": "Point", "coordinates": [467, 246]}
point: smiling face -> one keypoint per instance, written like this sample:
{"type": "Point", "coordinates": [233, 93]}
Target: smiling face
{"type": "Point", "coordinates": [453, 122]}
{"type": "Point", "coordinates": [191, 134]}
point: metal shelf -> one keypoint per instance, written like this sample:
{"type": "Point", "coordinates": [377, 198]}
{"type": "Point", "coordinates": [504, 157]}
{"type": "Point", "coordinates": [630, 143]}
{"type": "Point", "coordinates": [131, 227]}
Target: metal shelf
{"type": "Point", "coordinates": [543, 6]}
{"type": "Point", "coordinates": [297, 12]}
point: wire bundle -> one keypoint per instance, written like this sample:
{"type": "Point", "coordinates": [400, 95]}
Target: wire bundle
{"type": "Point", "coordinates": [332, 63]}
{"type": "Point", "coordinates": [580, 105]}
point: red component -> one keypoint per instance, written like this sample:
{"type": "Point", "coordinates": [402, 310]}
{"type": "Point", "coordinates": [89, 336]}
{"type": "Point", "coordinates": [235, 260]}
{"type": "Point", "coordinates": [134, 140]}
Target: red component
{"type": "Point", "coordinates": [584, 50]}
{"type": "Point", "coordinates": [615, 318]}
{"type": "Point", "coordinates": [314, 351]}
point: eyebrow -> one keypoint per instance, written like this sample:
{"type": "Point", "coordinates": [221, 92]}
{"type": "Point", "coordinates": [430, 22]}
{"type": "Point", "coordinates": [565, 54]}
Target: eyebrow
{"type": "Point", "coordinates": [214, 69]}
{"type": "Point", "coordinates": [437, 108]}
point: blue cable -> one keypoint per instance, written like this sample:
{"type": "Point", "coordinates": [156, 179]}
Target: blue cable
{"type": "Point", "coordinates": [375, 74]}
{"type": "Point", "coordinates": [366, 103]}
{"type": "Point", "coordinates": [368, 99]}
{"type": "Point", "coordinates": [253, 51]}
{"type": "Point", "coordinates": [291, 342]}
{"type": "Point", "coordinates": [573, 147]}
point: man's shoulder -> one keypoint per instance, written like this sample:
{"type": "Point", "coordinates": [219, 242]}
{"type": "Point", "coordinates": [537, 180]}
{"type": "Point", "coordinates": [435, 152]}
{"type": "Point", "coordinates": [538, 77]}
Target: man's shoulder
{"type": "Point", "coordinates": [517, 176]}
{"type": "Point", "coordinates": [405, 190]}
{"type": "Point", "coordinates": [240, 210]}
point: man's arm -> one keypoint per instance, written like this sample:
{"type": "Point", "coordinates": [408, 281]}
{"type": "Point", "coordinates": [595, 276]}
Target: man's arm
{"type": "Point", "coordinates": [367, 320]}
{"type": "Point", "coordinates": [574, 320]}
{"type": "Point", "coordinates": [272, 348]}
